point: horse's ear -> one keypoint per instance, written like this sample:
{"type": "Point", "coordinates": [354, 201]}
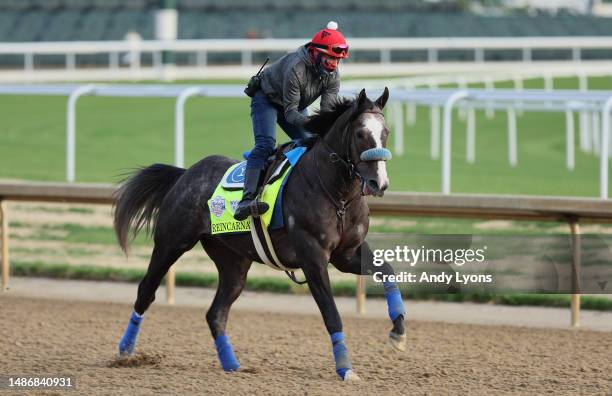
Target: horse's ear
{"type": "Point", "coordinates": [361, 98]}
{"type": "Point", "coordinates": [382, 101]}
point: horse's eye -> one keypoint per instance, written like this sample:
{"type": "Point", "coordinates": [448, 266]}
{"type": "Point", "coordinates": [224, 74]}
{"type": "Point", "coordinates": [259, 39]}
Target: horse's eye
{"type": "Point", "coordinates": [360, 134]}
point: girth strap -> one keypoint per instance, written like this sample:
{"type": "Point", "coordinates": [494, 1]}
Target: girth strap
{"type": "Point", "coordinates": [272, 259]}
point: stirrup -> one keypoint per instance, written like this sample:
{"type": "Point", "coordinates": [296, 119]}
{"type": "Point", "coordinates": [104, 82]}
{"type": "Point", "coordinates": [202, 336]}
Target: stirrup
{"type": "Point", "coordinates": [258, 208]}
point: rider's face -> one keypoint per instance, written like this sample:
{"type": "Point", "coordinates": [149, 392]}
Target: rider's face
{"type": "Point", "coordinates": [329, 62]}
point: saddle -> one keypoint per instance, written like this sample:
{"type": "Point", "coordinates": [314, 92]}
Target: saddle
{"type": "Point", "coordinates": [276, 165]}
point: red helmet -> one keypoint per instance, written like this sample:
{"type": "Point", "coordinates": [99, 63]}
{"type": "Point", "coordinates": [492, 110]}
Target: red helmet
{"type": "Point", "coordinates": [330, 41]}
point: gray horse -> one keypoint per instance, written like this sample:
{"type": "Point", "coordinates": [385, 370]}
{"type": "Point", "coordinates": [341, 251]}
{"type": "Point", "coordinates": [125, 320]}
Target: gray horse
{"type": "Point", "coordinates": [325, 216]}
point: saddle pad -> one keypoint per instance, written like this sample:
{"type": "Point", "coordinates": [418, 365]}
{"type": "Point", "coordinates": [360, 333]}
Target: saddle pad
{"type": "Point", "coordinates": [234, 178]}
{"type": "Point", "coordinates": [224, 200]}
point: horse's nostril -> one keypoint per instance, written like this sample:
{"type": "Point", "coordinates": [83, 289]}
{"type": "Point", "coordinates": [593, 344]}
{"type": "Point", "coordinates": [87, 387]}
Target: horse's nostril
{"type": "Point", "coordinates": [373, 184]}
{"type": "Point", "coordinates": [384, 187]}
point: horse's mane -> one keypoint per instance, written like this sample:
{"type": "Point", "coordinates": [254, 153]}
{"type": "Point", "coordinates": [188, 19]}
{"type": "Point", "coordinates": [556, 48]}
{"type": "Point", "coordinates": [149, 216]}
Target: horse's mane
{"type": "Point", "coordinates": [322, 120]}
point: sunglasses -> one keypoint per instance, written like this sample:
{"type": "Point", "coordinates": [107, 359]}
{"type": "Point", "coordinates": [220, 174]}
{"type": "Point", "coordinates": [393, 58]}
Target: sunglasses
{"type": "Point", "coordinates": [340, 49]}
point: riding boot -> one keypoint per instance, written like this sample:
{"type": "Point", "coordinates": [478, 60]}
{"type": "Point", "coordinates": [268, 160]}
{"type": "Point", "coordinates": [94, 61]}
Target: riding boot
{"type": "Point", "coordinates": [249, 205]}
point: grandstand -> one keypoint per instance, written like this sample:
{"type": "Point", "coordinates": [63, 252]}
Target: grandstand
{"type": "Point", "coordinates": [104, 20]}
{"type": "Point", "coordinates": [67, 20]}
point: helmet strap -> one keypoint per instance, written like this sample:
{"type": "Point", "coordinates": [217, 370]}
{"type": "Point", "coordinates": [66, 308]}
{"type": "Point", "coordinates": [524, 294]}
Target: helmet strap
{"type": "Point", "coordinates": [312, 53]}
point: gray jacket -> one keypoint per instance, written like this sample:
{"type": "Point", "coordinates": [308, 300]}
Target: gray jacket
{"type": "Point", "coordinates": [293, 82]}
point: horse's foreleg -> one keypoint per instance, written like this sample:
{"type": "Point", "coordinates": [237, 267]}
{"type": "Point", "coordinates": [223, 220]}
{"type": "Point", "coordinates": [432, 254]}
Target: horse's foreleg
{"type": "Point", "coordinates": [233, 271]}
{"type": "Point", "coordinates": [318, 282]}
{"type": "Point", "coordinates": [362, 263]}
{"type": "Point", "coordinates": [162, 259]}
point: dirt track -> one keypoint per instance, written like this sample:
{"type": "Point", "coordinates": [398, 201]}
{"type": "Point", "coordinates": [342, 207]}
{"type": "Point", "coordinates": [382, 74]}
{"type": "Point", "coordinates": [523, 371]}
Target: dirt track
{"type": "Point", "coordinates": [291, 354]}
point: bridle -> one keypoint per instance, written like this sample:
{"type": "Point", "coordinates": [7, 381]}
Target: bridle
{"type": "Point", "coordinates": [345, 160]}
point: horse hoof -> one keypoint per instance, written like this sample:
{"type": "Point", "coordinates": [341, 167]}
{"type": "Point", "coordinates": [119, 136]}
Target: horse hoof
{"type": "Point", "coordinates": [350, 376]}
{"type": "Point", "coordinates": [126, 353]}
{"type": "Point", "coordinates": [126, 350]}
{"type": "Point", "coordinates": [231, 367]}
{"type": "Point", "coordinates": [397, 341]}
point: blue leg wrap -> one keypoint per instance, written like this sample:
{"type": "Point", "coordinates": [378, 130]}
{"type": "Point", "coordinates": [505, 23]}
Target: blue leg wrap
{"type": "Point", "coordinates": [340, 354]}
{"type": "Point", "coordinates": [226, 353]}
{"type": "Point", "coordinates": [395, 304]}
{"type": "Point", "coordinates": [128, 341]}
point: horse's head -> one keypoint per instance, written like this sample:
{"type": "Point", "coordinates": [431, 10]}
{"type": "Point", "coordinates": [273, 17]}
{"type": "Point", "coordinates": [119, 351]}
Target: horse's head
{"type": "Point", "coordinates": [355, 134]}
{"type": "Point", "coordinates": [368, 143]}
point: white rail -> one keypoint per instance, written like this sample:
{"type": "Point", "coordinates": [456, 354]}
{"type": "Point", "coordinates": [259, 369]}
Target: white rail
{"type": "Point", "coordinates": [572, 43]}
{"type": "Point", "coordinates": [528, 100]}
{"type": "Point", "coordinates": [574, 47]}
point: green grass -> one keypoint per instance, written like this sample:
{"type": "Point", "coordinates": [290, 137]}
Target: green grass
{"type": "Point", "coordinates": [118, 134]}
{"type": "Point", "coordinates": [278, 285]}
{"type": "Point", "coordinates": [76, 233]}
{"type": "Point", "coordinates": [430, 225]}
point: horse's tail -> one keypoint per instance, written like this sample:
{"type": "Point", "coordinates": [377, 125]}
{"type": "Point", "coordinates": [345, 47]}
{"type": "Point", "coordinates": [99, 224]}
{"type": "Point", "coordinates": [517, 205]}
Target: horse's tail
{"type": "Point", "coordinates": [137, 201]}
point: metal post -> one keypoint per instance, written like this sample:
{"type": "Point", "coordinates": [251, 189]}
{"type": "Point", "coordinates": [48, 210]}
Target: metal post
{"type": "Point", "coordinates": [157, 61]}
{"type": "Point", "coordinates": [179, 160]}
{"type": "Point", "coordinates": [70, 61]}
{"type": "Point", "coordinates": [569, 139]}
{"type": "Point", "coordinates": [4, 229]}
{"type": "Point", "coordinates": [434, 115]}
{"type": "Point", "coordinates": [166, 28]}
{"type": "Point", "coordinates": [526, 54]}
{"type": "Point", "coordinates": [28, 61]}
{"type": "Point", "coordinates": [585, 139]}
{"type": "Point", "coordinates": [489, 86]}
{"type": "Point", "coordinates": [518, 86]}
{"type": "Point", "coordinates": [462, 83]}
{"type": "Point", "coordinates": [434, 122]}
{"type": "Point", "coordinates": [202, 58]}
{"type": "Point", "coordinates": [170, 283]}
{"type": "Point", "coordinates": [71, 129]}
{"type": "Point", "coordinates": [512, 151]}
{"type": "Point", "coordinates": [113, 60]}
{"type": "Point", "coordinates": [586, 142]}
{"type": "Point", "coordinates": [432, 55]}
{"type": "Point", "coordinates": [595, 130]}
{"type": "Point", "coordinates": [471, 136]}
{"type": "Point", "coordinates": [385, 56]}
{"type": "Point", "coordinates": [360, 294]}
{"type": "Point", "coordinates": [134, 56]}
{"type": "Point", "coordinates": [603, 158]}
{"type": "Point", "coordinates": [246, 58]}
{"type": "Point", "coordinates": [575, 302]}
{"type": "Point", "coordinates": [446, 138]}
{"type": "Point", "coordinates": [549, 85]}
{"type": "Point", "coordinates": [179, 124]}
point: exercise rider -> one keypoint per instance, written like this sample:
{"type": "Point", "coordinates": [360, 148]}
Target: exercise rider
{"type": "Point", "coordinates": [282, 94]}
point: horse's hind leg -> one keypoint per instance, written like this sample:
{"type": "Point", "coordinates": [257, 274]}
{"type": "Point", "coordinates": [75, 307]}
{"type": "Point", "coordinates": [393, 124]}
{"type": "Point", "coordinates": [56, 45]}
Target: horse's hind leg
{"type": "Point", "coordinates": [233, 270]}
{"type": "Point", "coordinates": [162, 258]}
